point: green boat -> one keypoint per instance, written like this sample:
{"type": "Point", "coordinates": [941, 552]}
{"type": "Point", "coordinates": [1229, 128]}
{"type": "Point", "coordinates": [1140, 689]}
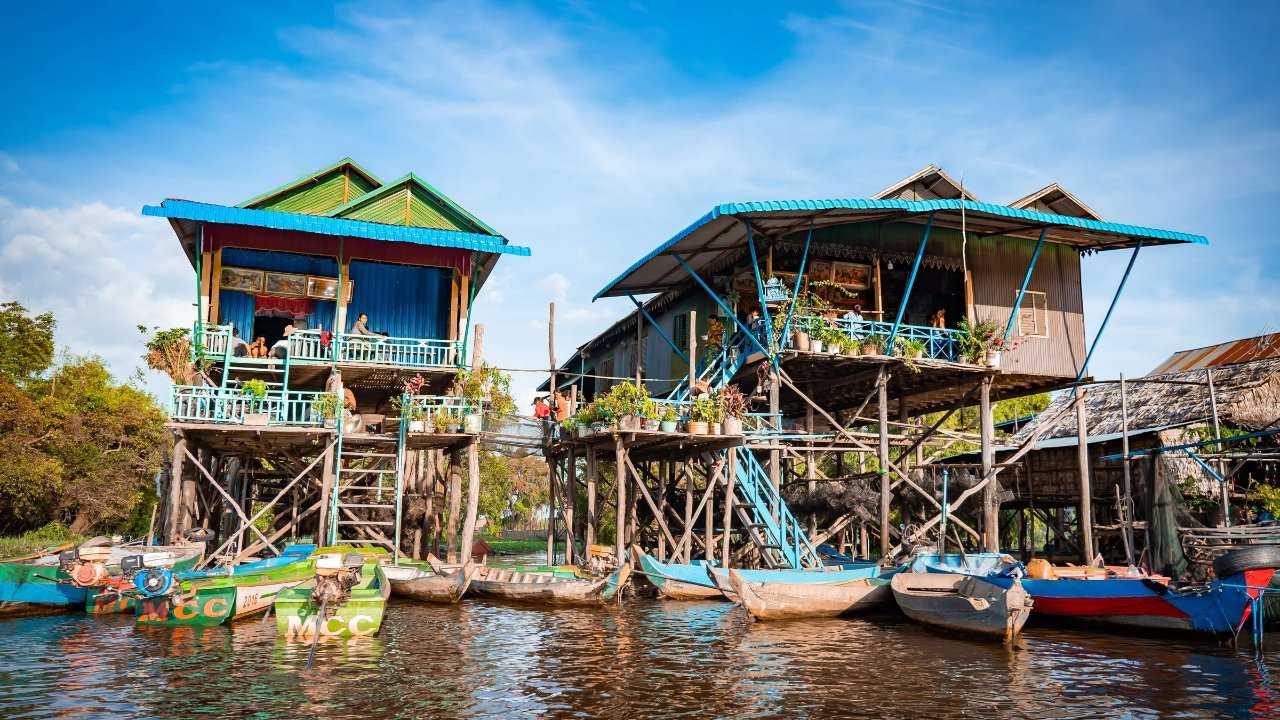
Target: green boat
{"type": "Point", "coordinates": [214, 600]}
{"type": "Point", "coordinates": [346, 598]}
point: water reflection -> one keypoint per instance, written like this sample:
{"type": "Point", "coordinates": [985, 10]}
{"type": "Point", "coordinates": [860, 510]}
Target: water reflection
{"type": "Point", "coordinates": [647, 658]}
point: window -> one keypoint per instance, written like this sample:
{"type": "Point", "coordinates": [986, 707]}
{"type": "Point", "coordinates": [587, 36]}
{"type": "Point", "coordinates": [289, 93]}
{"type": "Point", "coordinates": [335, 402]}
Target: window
{"type": "Point", "coordinates": [680, 331]}
{"type": "Point", "coordinates": [1033, 316]}
{"type": "Point", "coordinates": [605, 371]}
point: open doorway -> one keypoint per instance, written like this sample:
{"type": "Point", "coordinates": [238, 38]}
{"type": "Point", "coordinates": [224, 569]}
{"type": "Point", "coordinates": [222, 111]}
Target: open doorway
{"type": "Point", "coordinates": [270, 328]}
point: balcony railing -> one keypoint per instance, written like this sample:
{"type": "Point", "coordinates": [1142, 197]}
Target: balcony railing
{"type": "Point", "coordinates": [939, 343]}
{"type": "Point", "coordinates": [375, 350]}
{"type": "Point", "coordinates": [232, 406]}
{"type": "Point", "coordinates": [214, 339]}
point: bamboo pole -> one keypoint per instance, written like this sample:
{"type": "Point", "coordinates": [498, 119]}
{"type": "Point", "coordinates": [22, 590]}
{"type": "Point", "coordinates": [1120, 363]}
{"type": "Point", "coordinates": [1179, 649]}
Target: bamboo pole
{"type": "Point", "coordinates": [473, 464]}
{"type": "Point", "coordinates": [729, 501]}
{"type": "Point", "coordinates": [688, 511]}
{"type": "Point", "coordinates": [592, 522]}
{"type": "Point", "coordinates": [991, 493]}
{"type": "Point", "coordinates": [620, 483]}
{"type": "Point", "coordinates": [570, 496]}
{"type": "Point", "coordinates": [882, 409]}
{"type": "Point", "coordinates": [1082, 460]}
{"type": "Point", "coordinates": [555, 412]}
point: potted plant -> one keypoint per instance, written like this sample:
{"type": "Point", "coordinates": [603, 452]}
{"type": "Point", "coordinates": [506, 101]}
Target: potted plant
{"type": "Point", "coordinates": [669, 420]}
{"type": "Point", "coordinates": [979, 344]}
{"type": "Point", "coordinates": [910, 349]}
{"type": "Point", "coordinates": [624, 405]}
{"type": "Point", "coordinates": [326, 406]}
{"type": "Point", "coordinates": [256, 392]}
{"type": "Point", "coordinates": [872, 346]}
{"type": "Point", "coordinates": [713, 341]}
{"type": "Point", "coordinates": [487, 391]}
{"type": "Point", "coordinates": [419, 418]}
{"type": "Point", "coordinates": [834, 340]}
{"type": "Point", "coordinates": [569, 426]}
{"type": "Point", "coordinates": [649, 415]}
{"type": "Point", "coordinates": [703, 411]}
{"type": "Point", "coordinates": [447, 421]}
{"type": "Point", "coordinates": [733, 408]}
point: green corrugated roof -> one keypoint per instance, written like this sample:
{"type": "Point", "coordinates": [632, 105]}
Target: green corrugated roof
{"type": "Point", "coordinates": [412, 202]}
{"type": "Point", "coordinates": [317, 193]}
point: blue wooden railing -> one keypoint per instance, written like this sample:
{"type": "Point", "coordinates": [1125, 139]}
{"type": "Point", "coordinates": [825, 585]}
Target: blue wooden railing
{"type": "Point", "coordinates": [939, 343]}
{"type": "Point", "coordinates": [375, 350]}
{"type": "Point", "coordinates": [190, 403]}
{"type": "Point", "coordinates": [215, 340]}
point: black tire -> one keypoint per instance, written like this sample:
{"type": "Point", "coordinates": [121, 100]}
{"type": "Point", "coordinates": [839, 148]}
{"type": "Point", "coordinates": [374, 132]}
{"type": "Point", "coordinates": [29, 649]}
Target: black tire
{"type": "Point", "coordinates": [1251, 558]}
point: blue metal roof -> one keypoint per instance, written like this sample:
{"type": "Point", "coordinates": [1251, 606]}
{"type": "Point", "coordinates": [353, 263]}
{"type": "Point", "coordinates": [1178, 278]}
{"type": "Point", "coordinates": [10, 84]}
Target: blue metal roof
{"type": "Point", "coordinates": [1087, 233]}
{"type": "Point", "coordinates": [208, 212]}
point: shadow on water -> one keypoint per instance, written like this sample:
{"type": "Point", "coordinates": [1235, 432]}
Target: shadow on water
{"type": "Point", "coordinates": [647, 658]}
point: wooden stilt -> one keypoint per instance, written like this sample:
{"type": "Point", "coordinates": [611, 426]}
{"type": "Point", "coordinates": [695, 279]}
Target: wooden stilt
{"type": "Point", "coordinates": [620, 483]}
{"type": "Point", "coordinates": [882, 403]}
{"type": "Point", "coordinates": [553, 472]}
{"type": "Point", "coordinates": [664, 473]}
{"type": "Point", "coordinates": [708, 521]}
{"type": "Point", "coordinates": [174, 522]}
{"type": "Point", "coordinates": [455, 509]}
{"type": "Point", "coordinates": [1086, 497]}
{"type": "Point", "coordinates": [593, 525]}
{"type": "Point", "coordinates": [688, 509]}
{"type": "Point", "coordinates": [570, 498]}
{"type": "Point", "coordinates": [729, 502]}
{"type": "Point", "coordinates": [991, 493]}
{"type": "Point", "coordinates": [473, 499]}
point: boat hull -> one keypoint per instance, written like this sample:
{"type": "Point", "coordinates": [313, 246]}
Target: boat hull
{"type": "Point", "coordinates": [298, 615]}
{"type": "Point", "coordinates": [27, 589]}
{"type": "Point", "coordinates": [964, 603]}
{"type": "Point", "coordinates": [679, 581]}
{"type": "Point", "coordinates": [787, 601]}
{"type": "Point", "coordinates": [546, 589]}
{"type": "Point", "coordinates": [1218, 610]}
{"type": "Point", "coordinates": [428, 586]}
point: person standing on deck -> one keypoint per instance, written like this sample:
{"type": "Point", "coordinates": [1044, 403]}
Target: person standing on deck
{"type": "Point", "coordinates": [239, 348]}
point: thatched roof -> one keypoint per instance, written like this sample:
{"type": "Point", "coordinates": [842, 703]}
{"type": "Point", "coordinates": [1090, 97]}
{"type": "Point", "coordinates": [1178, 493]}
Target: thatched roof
{"type": "Point", "coordinates": [1248, 396]}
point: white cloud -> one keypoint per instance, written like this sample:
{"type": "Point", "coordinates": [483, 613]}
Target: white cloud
{"type": "Point", "coordinates": [101, 270]}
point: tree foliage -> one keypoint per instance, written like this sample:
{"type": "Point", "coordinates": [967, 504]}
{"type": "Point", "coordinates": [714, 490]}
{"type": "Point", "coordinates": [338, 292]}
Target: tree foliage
{"type": "Point", "coordinates": [511, 489]}
{"type": "Point", "coordinates": [26, 343]}
{"type": "Point", "coordinates": [75, 446]}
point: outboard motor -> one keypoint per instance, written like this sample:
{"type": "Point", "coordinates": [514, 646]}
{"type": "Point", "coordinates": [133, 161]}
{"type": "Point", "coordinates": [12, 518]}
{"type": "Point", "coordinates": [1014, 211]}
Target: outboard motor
{"type": "Point", "coordinates": [153, 582]}
{"type": "Point", "coordinates": [336, 574]}
{"type": "Point", "coordinates": [87, 566]}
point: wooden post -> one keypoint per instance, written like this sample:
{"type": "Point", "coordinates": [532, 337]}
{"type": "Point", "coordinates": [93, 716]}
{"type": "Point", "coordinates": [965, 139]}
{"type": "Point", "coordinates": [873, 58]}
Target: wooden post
{"type": "Point", "coordinates": [592, 523]}
{"type": "Point", "coordinates": [708, 521]}
{"type": "Point", "coordinates": [1126, 516]}
{"type": "Point", "coordinates": [455, 509]}
{"type": "Point", "coordinates": [429, 526]}
{"type": "Point", "coordinates": [991, 493]}
{"type": "Point", "coordinates": [174, 523]}
{"type": "Point", "coordinates": [775, 476]}
{"type": "Point", "coordinates": [693, 350]}
{"type": "Point", "coordinates": [570, 496]}
{"type": "Point", "coordinates": [639, 354]}
{"type": "Point", "coordinates": [882, 403]}
{"type": "Point", "coordinates": [728, 507]}
{"type": "Point", "coordinates": [473, 494]}
{"type": "Point", "coordinates": [1217, 449]}
{"type": "Point", "coordinates": [688, 508]}
{"type": "Point", "coordinates": [620, 482]}
{"type": "Point", "coordinates": [553, 470]}
{"type": "Point", "coordinates": [664, 472]}
{"type": "Point", "coordinates": [1086, 497]}
{"type": "Point", "coordinates": [555, 412]}
{"type": "Point", "coordinates": [328, 467]}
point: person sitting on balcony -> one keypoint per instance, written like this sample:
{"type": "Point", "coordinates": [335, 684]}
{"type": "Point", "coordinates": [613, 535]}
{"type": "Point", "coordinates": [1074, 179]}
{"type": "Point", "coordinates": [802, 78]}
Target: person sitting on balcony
{"type": "Point", "coordinates": [361, 327]}
{"type": "Point", "coordinates": [938, 319]}
{"type": "Point", "coordinates": [280, 349]}
{"type": "Point", "coordinates": [258, 349]}
{"type": "Point", "coordinates": [331, 386]}
{"type": "Point", "coordinates": [239, 348]}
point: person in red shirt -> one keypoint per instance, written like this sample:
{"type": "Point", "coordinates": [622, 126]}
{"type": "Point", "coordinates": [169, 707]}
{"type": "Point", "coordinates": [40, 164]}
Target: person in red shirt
{"type": "Point", "coordinates": [540, 409]}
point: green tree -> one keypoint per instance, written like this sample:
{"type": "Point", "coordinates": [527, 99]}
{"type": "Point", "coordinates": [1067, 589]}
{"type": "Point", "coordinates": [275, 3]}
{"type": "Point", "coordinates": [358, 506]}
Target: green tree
{"type": "Point", "coordinates": [30, 479]}
{"type": "Point", "coordinates": [26, 343]}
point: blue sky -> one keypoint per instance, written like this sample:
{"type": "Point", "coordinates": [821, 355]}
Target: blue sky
{"type": "Point", "coordinates": [591, 132]}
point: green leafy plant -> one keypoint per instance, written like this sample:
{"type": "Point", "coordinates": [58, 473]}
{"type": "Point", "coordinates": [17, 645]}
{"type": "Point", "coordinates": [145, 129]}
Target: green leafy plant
{"type": "Point", "coordinates": [976, 339]}
{"type": "Point", "coordinates": [873, 345]}
{"type": "Point", "coordinates": [570, 423]}
{"type": "Point", "coordinates": [486, 386]}
{"type": "Point", "coordinates": [325, 405]}
{"type": "Point", "coordinates": [909, 348]}
{"type": "Point", "coordinates": [706, 408]}
{"type": "Point", "coordinates": [713, 341]}
{"type": "Point", "coordinates": [625, 398]}
{"type": "Point", "coordinates": [669, 414]}
{"type": "Point", "coordinates": [649, 409]}
{"type": "Point", "coordinates": [444, 418]}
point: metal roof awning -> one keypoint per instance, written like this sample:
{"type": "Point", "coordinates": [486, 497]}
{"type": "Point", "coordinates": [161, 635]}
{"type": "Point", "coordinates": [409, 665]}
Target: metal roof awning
{"type": "Point", "coordinates": [722, 230]}
{"type": "Point", "coordinates": [187, 210]}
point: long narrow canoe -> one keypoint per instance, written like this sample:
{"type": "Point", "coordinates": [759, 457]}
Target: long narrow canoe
{"type": "Point", "coordinates": [426, 585]}
{"type": "Point", "coordinates": [299, 614]}
{"type": "Point", "coordinates": [679, 581]}
{"type": "Point", "coordinates": [963, 602]}
{"type": "Point", "coordinates": [785, 601]}
{"type": "Point", "coordinates": [546, 588]}
{"type": "Point", "coordinates": [49, 583]}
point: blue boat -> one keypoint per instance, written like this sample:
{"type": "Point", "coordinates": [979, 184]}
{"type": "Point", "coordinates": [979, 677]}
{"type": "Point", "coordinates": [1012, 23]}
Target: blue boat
{"type": "Point", "coordinates": [981, 564]}
{"type": "Point", "coordinates": [693, 581]}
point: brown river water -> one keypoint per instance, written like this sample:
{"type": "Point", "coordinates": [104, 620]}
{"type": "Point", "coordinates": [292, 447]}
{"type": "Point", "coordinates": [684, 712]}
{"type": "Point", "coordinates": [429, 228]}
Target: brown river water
{"type": "Point", "coordinates": [645, 659]}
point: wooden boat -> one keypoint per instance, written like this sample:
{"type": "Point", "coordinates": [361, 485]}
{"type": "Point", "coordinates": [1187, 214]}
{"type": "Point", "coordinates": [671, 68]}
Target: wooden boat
{"type": "Point", "coordinates": [784, 601]}
{"type": "Point", "coordinates": [678, 581]}
{"type": "Point", "coordinates": [963, 602]}
{"type": "Point", "coordinates": [87, 577]}
{"type": "Point", "coordinates": [425, 585]}
{"type": "Point", "coordinates": [546, 588]}
{"type": "Point", "coordinates": [345, 598]}
{"type": "Point", "coordinates": [1124, 596]}
{"type": "Point", "coordinates": [217, 599]}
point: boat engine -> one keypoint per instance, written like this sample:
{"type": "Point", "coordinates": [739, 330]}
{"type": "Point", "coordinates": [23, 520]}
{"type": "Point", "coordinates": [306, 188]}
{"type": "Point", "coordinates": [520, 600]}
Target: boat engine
{"type": "Point", "coordinates": [336, 574]}
{"type": "Point", "coordinates": [87, 566]}
{"type": "Point", "coordinates": [153, 582]}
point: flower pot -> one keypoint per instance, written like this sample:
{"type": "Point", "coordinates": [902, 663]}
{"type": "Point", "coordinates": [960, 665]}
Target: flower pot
{"type": "Point", "coordinates": [472, 423]}
{"type": "Point", "coordinates": [833, 349]}
{"type": "Point", "coordinates": [698, 427]}
{"type": "Point", "coordinates": [651, 425]}
{"type": "Point", "coordinates": [801, 341]}
{"type": "Point", "coordinates": [717, 428]}
{"type": "Point", "coordinates": [870, 350]}
{"type": "Point", "coordinates": [815, 345]}
{"type": "Point", "coordinates": [732, 426]}
{"type": "Point", "coordinates": [629, 423]}
{"type": "Point", "coordinates": [453, 427]}
{"type": "Point", "coordinates": [668, 426]}
{"type": "Point", "coordinates": [417, 426]}
{"type": "Point", "coordinates": [852, 351]}
{"type": "Point", "coordinates": [917, 355]}
{"type": "Point", "coordinates": [582, 430]}
{"type": "Point", "coordinates": [258, 419]}
{"type": "Point", "coordinates": [993, 358]}
{"type": "Point", "coordinates": [331, 423]}
{"type": "Point", "coordinates": [599, 427]}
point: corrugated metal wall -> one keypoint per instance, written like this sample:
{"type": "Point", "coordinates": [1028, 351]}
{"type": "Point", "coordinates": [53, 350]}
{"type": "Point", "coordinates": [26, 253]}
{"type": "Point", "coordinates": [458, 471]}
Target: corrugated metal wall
{"type": "Point", "coordinates": [238, 308]}
{"type": "Point", "coordinates": [401, 300]}
{"type": "Point", "coordinates": [281, 262]}
{"type": "Point", "coordinates": [998, 265]}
